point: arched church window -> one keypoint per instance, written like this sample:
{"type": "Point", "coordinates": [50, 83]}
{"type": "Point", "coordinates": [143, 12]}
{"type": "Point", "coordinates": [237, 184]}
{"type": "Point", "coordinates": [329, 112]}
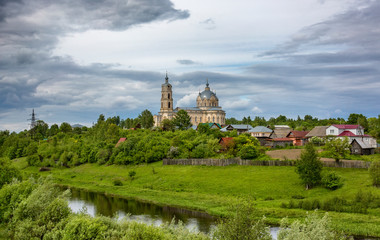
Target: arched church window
{"type": "Point", "coordinates": [217, 119]}
{"type": "Point", "coordinates": [169, 95]}
{"type": "Point", "coordinates": [200, 119]}
{"type": "Point", "coordinates": [195, 119]}
{"type": "Point", "coordinates": [208, 119]}
{"type": "Point", "coordinates": [168, 104]}
{"type": "Point", "coordinates": [213, 119]}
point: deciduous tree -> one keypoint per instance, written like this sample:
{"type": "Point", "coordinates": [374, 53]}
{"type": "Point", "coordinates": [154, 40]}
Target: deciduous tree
{"type": "Point", "coordinates": [182, 120]}
{"type": "Point", "coordinates": [146, 119]}
{"type": "Point", "coordinates": [337, 148]}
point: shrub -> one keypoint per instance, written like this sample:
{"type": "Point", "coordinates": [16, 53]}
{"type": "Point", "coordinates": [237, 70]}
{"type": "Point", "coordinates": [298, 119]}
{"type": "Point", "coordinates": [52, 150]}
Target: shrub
{"type": "Point", "coordinates": [242, 225]}
{"type": "Point", "coordinates": [314, 228]}
{"type": "Point", "coordinates": [332, 181]}
{"type": "Point", "coordinates": [117, 182]}
{"type": "Point", "coordinates": [248, 151]}
{"type": "Point", "coordinates": [132, 174]}
{"type": "Point", "coordinates": [7, 172]}
{"type": "Point", "coordinates": [374, 172]}
{"type": "Point", "coordinates": [33, 160]}
{"type": "Point", "coordinates": [173, 152]}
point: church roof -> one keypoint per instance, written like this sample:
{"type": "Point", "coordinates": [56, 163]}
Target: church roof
{"type": "Point", "coordinates": [207, 93]}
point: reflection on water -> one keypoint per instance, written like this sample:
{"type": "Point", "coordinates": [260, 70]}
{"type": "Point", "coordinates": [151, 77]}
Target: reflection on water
{"type": "Point", "coordinates": [149, 213]}
{"type": "Point", "coordinates": [101, 204]}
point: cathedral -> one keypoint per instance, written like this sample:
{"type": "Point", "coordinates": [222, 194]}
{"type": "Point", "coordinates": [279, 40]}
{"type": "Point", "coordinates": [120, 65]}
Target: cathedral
{"type": "Point", "coordinates": [206, 111]}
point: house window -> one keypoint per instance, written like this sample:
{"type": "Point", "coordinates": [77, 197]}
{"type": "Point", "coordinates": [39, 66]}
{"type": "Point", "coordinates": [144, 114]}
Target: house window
{"type": "Point", "coordinates": [332, 131]}
{"type": "Point", "coordinates": [195, 119]}
{"type": "Point", "coordinates": [208, 119]}
{"type": "Point", "coordinates": [200, 119]}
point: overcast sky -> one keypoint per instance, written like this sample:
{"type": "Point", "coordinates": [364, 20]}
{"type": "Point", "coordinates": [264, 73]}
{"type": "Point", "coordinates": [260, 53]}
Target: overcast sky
{"type": "Point", "coordinates": [72, 60]}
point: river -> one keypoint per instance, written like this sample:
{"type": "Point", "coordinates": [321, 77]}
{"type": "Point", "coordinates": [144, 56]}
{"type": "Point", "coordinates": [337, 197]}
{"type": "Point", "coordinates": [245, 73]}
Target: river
{"type": "Point", "coordinates": [146, 212]}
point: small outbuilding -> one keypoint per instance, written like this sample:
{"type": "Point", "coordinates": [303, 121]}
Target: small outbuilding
{"type": "Point", "coordinates": [361, 147]}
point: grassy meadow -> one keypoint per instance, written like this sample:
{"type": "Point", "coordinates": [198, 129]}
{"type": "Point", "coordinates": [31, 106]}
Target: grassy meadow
{"type": "Point", "coordinates": [214, 189]}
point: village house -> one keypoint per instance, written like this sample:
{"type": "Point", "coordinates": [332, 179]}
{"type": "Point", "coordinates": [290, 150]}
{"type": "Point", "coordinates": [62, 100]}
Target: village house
{"type": "Point", "coordinates": [318, 131]}
{"type": "Point", "coordinates": [210, 125]}
{"type": "Point", "coordinates": [261, 133]}
{"type": "Point", "coordinates": [352, 132]}
{"type": "Point", "coordinates": [360, 147]}
{"type": "Point", "coordinates": [240, 128]}
{"type": "Point", "coordinates": [298, 137]}
{"type": "Point", "coordinates": [280, 131]}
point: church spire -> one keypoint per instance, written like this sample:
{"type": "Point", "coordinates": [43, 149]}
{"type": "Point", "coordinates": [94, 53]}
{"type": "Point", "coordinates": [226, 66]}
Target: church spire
{"type": "Point", "coordinates": [207, 85]}
{"type": "Point", "coordinates": [166, 78]}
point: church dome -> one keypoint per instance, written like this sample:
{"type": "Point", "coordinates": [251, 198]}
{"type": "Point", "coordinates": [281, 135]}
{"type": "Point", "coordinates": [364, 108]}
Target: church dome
{"type": "Point", "coordinates": [207, 98]}
{"type": "Point", "coordinates": [207, 93]}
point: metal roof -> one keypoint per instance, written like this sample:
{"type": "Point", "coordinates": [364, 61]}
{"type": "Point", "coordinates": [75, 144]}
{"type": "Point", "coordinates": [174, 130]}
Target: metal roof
{"type": "Point", "coordinates": [261, 129]}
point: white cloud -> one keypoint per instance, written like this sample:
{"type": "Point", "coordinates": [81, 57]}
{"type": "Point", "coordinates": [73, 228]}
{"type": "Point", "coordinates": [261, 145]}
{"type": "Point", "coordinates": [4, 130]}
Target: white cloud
{"type": "Point", "coordinates": [188, 100]}
{"type": "Point", "coordinates": [256, 110]}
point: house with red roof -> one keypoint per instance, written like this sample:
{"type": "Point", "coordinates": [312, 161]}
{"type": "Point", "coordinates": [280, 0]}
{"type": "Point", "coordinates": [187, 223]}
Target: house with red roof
{"type": "Point", "coordinates": [352, 132]}
{"type": "Point", "coordinates": [298, 137]}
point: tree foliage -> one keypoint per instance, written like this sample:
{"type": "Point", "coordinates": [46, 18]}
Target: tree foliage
{"type": "Point", "coordinates": [374, 172]}
{"type": "Point", "coordinates": [182, 120]}
{"type": "Point", "coordinates": [243, 225]}
{"type": "Point", "coordinates": [309, 167]}
{"type": "Point", "coordinates": [146, 119]}
{"type": "Point", "coordinates": [314, 228]}
{"type": "Point", "coordinates": [337, 148]}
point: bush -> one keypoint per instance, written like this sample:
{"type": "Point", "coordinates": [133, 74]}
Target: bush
{"type": "Point", "coordinates": [117, 182]}
{"type": "Point", "coordinates": [332, 181]}
{"type": "Point", "coordinates": [248, 151]}
{"type": "Point", "coordinates": [33, 160]}
{"type": "Point", "coordinates": [314, 228]}
{"type": "Point", "coordinates": [374, 172]}
{"type": "Point", "coordinates": [132, 174]}
{"type": "Point", "coordinates": [7, 172]}
{"type": "Point", "coordinates": [242, 225]}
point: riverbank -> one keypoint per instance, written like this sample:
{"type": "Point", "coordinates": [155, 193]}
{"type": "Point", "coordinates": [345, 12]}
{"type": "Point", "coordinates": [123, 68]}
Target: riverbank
{"type": "Point", "coordinates": [214, 189]}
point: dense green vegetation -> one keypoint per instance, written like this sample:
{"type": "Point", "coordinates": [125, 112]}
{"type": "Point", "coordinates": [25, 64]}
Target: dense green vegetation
{"type": "Point", "coordinates": [88, 158]}
{"type": "Point", "coordinates": [214, 189]}
{"type": "Point", "coordinates": [37, 209]}
{"type": "Point", "coordinates": [63, 147]}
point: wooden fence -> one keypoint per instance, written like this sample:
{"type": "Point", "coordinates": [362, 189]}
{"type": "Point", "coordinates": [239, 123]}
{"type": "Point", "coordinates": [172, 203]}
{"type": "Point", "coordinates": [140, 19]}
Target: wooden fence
{"type": "Point", "coordinates": [237, 161]}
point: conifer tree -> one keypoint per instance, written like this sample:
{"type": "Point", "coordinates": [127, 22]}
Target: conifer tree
{"type": "Point", "coordinates": [309, 167]}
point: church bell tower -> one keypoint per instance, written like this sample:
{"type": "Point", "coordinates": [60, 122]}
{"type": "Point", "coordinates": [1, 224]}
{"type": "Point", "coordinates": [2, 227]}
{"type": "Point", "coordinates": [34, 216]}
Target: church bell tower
{"type": "Point", "coordinates": [166, 96]}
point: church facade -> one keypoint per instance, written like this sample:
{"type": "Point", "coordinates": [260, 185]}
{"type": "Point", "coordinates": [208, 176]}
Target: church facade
{"type": "Point", "coordinates": [206, 111]}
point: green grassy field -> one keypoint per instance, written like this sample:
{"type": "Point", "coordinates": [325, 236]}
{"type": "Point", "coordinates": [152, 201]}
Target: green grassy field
{"type": "Point", "coordinates": [214, 189]}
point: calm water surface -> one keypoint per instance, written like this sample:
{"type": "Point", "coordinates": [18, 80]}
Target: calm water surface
{"type": "Point", "coordinates": [145, 212]}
